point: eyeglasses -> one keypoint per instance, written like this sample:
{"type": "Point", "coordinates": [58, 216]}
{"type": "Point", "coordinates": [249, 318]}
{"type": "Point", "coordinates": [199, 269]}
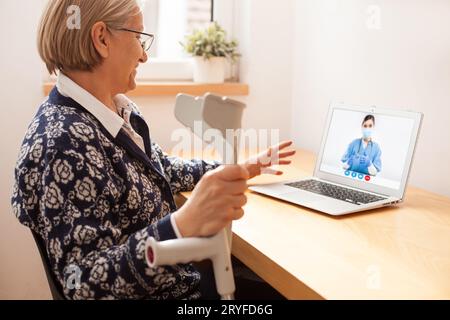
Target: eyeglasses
{"type": "Point", "coordinates": [146, 39]}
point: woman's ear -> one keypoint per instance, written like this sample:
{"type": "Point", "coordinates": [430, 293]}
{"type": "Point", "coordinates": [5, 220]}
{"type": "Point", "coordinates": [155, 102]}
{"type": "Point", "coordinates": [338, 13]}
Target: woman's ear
{"type": "Point", "coordinates": [101, 39]}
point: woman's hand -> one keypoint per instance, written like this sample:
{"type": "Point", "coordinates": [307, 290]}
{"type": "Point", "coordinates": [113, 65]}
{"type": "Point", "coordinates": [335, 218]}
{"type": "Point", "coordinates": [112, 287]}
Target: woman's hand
{"type": "Point", "coordinates": [217, 199]}
{"type": "Point", "coordinates": [219, 196]}
{"type": "Point", "coordinates": [273, 156]}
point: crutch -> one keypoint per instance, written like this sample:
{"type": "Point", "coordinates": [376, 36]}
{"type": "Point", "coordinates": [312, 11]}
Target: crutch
{"type": "Point", "coordinates": [222, 114]}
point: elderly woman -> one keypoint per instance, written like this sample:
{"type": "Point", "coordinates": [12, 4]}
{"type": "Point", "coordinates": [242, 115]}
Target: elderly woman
{"type": "Point", "coordinates": [90, 182]}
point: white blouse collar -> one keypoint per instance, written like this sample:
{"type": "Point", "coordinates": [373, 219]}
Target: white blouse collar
{"type": "Point", "coordinates": [109, 119]}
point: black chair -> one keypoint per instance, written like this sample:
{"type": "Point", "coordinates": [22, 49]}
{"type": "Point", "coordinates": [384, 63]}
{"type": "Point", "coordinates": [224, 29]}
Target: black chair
{"type": "Point", "coordinates": [55, 287]}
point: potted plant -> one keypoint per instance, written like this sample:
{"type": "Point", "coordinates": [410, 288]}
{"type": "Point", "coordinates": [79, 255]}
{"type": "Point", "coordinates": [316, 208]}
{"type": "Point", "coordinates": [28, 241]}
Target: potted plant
{"type": "Point", "coordinates": [210, 50]}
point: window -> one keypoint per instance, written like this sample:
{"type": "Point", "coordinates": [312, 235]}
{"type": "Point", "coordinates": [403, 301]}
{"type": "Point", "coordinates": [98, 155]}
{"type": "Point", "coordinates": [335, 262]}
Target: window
{"type": "Point", "coordinates": [170, 21]}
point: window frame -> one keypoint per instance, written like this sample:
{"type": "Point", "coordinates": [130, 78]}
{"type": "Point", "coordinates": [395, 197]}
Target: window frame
{"type": "Point", "coordinates": [162, 69]}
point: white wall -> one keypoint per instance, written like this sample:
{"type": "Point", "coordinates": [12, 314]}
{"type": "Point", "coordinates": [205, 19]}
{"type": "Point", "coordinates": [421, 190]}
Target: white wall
{"type": "Point", "coordinates": [405, 64]}
{"type": "Point", "coordinates": [265, 31]}
{"type": "Point", "coordinates": [21, 272]}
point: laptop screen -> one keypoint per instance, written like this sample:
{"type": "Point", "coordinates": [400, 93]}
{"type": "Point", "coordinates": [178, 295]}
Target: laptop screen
{"type": "Point", "coordinates": [368, 147]}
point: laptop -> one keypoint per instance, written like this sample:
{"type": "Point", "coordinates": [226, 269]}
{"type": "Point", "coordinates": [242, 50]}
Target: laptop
{"type": "Point", "coordinates": [364, 162]}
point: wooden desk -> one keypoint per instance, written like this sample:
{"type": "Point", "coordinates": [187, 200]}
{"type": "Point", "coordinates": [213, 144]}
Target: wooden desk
{"type": "Point", "coordinates": [399, 252]}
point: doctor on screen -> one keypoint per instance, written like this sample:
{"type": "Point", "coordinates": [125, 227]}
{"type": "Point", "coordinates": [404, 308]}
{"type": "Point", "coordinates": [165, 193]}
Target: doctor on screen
{"type": "Point", "coordinates": [363, 154]}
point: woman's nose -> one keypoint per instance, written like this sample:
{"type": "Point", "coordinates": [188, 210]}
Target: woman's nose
{"type": "Point", "coordinates": [144, 57]}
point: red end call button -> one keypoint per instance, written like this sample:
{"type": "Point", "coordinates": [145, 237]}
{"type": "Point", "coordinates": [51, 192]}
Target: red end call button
{"type": "Point", "coordinates": [367, 178]}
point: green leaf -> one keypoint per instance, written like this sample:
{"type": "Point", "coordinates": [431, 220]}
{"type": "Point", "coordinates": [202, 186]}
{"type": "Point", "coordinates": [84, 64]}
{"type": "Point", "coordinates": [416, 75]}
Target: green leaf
{"type": "Point", "coordinates": [210, 42]}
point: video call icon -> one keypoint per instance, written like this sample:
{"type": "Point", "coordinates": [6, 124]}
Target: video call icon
{"type": "Point", "coordinates": [355, 175]}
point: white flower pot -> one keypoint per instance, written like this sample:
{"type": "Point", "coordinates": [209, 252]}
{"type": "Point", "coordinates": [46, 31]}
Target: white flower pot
{"type": "Point", "coordinates": [209, 71]}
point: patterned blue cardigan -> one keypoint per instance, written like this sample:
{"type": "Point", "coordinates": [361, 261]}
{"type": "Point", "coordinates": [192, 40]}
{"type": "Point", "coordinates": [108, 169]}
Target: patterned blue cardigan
{"type": "Point", "coordinates": [95, 199]}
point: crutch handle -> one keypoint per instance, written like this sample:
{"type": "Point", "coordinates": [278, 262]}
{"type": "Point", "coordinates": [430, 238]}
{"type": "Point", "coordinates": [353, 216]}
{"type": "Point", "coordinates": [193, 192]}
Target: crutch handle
{"type": "Point", "coordinates": [216, 249]}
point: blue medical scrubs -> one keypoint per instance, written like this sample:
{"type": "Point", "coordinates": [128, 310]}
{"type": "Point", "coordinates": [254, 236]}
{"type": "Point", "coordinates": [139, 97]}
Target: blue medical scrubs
{"type": "Point", "coordinates": [360, 158]}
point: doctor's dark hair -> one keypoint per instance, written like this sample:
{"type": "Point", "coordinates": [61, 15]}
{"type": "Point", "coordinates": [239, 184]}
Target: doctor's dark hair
{"type": "Point", "coordinates": [367, 118]}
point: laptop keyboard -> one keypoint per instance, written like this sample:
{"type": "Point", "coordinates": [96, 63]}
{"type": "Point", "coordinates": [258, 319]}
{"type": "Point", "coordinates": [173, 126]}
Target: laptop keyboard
{"type": "Point", "coordinates": [336, 192]}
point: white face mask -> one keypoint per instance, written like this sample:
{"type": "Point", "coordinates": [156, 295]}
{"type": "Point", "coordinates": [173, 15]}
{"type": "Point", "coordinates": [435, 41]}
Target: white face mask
{"type": "Point", "coordinates": [367, 133]}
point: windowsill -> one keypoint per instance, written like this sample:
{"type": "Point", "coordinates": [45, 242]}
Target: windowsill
{"type": "Point", "coordinates": [152, 88]}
